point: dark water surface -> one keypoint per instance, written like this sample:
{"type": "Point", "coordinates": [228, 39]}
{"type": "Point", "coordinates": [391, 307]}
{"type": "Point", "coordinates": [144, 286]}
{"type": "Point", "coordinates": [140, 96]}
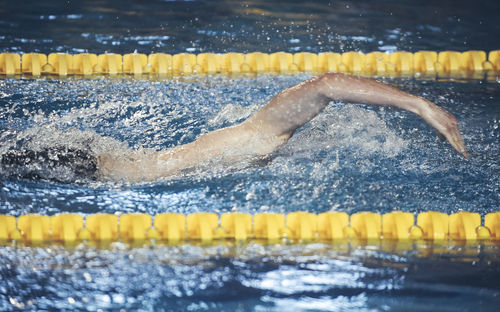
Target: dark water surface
{"type": "Point", "coordinates": [167, 26]}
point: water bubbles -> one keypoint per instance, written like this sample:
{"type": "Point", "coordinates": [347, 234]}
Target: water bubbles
{"type": "Point", "coordinates": [230, 114]}
{"type": "Point", "coordinates": [349, 156]}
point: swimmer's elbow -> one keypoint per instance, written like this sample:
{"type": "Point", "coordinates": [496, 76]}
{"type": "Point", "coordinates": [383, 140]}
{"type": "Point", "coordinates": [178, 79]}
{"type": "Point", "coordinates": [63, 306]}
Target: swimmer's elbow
{"type": "Point", "coordinates": [335, 78]}
{"type": "Point", "coordinates": [335, 86]}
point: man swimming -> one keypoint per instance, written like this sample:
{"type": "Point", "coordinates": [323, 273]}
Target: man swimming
{"type": "Point", "coordinates": [272, 127]}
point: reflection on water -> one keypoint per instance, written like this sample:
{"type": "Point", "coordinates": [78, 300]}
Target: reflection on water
{"type": "Point", "coordinates": [349, 158]}
{"type": "Point", "coordinates": [313, 277]}
{"type": "Point", "coordinates": [267, 26]}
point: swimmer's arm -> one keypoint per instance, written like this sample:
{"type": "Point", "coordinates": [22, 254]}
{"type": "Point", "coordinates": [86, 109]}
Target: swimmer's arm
{"type": "Point", "coordinates": [297, 105]}
{"type": "Point", "coordinates": [275, 123]}
{"type": "Point", "coordinates": [137, 166]}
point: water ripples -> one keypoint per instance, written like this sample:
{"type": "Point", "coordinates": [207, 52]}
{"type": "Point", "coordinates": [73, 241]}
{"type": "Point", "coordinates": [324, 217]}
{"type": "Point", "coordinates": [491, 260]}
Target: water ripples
{"type": "Point", "coordinates": [349, 158]}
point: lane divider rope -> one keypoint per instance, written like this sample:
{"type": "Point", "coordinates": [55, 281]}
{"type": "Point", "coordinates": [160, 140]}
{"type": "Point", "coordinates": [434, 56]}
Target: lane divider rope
{"type": "Point", "coordinates": [206, 227]}
{"type": "Point", "coordinates": [468, 64]}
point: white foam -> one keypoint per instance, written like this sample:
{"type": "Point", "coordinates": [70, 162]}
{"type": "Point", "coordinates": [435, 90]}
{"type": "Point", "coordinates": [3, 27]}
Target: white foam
{"type": "Point", "coordinates": [230, 114]}
{"type": "Point", "coordinates": [349, 127]}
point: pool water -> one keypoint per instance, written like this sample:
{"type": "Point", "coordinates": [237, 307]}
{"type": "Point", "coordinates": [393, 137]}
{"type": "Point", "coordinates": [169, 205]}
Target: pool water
{"type": "Point", "coordinates": [350, 158]}
{"type": "Point", "coordinates": [267, 26]}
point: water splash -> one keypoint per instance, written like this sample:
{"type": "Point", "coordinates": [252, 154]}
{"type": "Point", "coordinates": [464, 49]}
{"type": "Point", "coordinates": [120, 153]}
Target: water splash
{"type": "Point", "coordinates": [349, 158]}
{"type": "Point", "coordinates": [347, 127]}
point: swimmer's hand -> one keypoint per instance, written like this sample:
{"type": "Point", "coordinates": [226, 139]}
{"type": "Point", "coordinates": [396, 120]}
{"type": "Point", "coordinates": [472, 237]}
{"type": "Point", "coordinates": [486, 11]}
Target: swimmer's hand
{"type": "Point", "coordinates": [445, 124]}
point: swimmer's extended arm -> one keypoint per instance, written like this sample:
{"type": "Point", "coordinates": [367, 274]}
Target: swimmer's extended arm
{"type": "Point", "coordinates": [274, 124]}
{"type": "Point", "coordinates": [297, 105]}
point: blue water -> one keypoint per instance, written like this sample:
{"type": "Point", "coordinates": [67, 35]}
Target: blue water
{"type": "Point", "coordinates": [267, 26]}
{"type": "Point", "coordinates": [350, 158]}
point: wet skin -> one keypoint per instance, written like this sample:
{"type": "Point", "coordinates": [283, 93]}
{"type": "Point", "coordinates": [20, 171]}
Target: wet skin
{"type": "Point", "coordinates": [273, 125]}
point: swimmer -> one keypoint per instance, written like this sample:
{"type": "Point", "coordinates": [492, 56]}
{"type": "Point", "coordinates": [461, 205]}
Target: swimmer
{"type": "Point", "coordinates": [273, 125]}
